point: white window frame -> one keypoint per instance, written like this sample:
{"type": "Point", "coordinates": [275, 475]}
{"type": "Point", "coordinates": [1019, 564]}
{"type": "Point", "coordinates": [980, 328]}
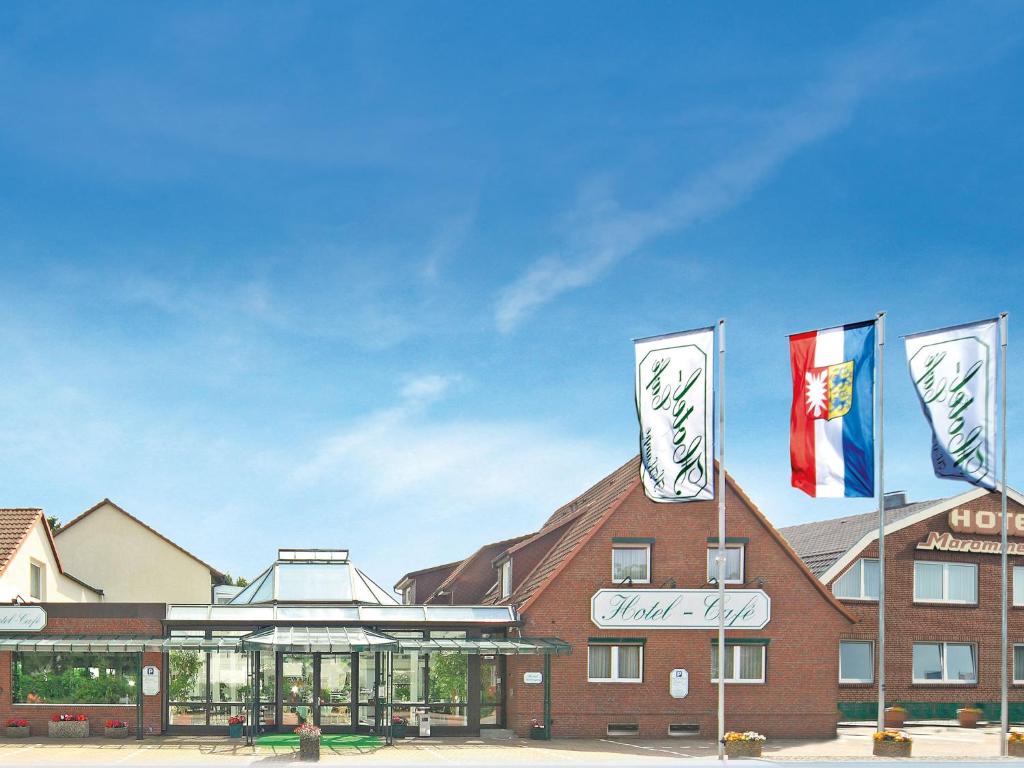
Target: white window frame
{"type": "Point", "coordinates": [713, 552]}
{"type": "Point", "coordinates": [409, 594]}
{"type": "Point", "coordinates": [1018, 570]}
{"type": "Point", "coordinates": [1013, 662]}
{"type": "Point", "coordinates": [614, 664]}
{"type": "Point", "coordinates": [34, 565]}
{"type": "Point", "coordinates": [945, 583]}
{"type": "Point", "coordinates": [505, 578]}
{"type": "Point", "coordinates": [733, 647]}
{"type": "Point", "coordinates": [647, 548]}
{"type": "Point", "coordinates": [945, 678]}
{"type": "Point", "coordinates": [863, 598]}
{"type": "Point", "coordinates": [851, 680]}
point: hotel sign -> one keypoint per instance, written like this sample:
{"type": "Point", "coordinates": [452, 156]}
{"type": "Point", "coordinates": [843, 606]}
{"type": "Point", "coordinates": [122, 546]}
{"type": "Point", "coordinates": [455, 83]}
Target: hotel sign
{"type": "Point", "coordinates": [679, 608]}
{"type": "Point", "coordinates": [947, 542]}
{"type": "Point", "coordinates": [984, 521]}
{"type": "Point", "coordinates": [22, 618]}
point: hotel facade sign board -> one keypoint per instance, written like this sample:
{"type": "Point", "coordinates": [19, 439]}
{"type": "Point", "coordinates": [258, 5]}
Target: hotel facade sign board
{"type": "Point", "coordinates": [984, 521]}
{"type": "Point", "coordinates": [947, 542]}
{"type": "Point", "coordinates": [679, 608]}
{"type": "Point", "coordinates": [22, 618]}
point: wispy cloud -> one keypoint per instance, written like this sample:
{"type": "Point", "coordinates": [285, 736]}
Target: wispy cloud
{"type": "Point", "coordinates": [601, 232]}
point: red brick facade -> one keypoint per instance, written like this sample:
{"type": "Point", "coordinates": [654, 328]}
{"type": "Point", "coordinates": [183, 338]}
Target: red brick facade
{"type": "Point", "coordinates": [798, 697]}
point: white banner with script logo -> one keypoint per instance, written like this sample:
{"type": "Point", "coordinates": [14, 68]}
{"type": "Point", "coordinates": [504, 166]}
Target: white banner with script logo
{"type": "Point", "coordinates": [954, 372]}
{"type": "Point", "coordinates": [22, 618]}
{"type": "Point", "coordinates": [679, 608]}
{"type": "Point", "coordinates": [674, 402]}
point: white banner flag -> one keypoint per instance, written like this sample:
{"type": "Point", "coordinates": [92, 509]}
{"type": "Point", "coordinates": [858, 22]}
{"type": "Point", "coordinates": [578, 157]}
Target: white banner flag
{"type": "Point", "coordinates": [674, 376]}
{"type": "Point", "coordinates": [954, 372]}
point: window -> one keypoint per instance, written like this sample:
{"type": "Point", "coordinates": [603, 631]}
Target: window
{"type": "Point", "coordinates": [615, 663]}
{"type": "Point", "coordinates": [858, 583]}
{"type": "Point", "coordinates": [936, 582]}
{"type": "Point", "coordinates": [409, 594]}
{"type": "Point", "coordinates": [631, 562]}
{"type": "Point", "coordinates": [35, 581]}
{"type": "Point", "coordinates": [743, 663]}
{"type": "Point", "coordinates": [506, 578]}
{"type": "Point", "coordinates": [733, 564]}
{"type": "Point", "coordinates": [945, 663]}
{"type": "Point", "coordinates": [73, 678]}
{"type": "Point", "coordinates": [1018, 585]}
{"type": "Point", "coordinates": [1018, 665]}
{"type": "Point", "coordinates": [856, 661]}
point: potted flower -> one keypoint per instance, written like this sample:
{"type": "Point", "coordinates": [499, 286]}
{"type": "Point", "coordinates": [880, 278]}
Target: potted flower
{"type": "Point", "coordinates": [892, 743]}
{"type": "Point", "coordinates": [745, 744]}
{"type": "Point", "coordinates": [68, 726]}
{"type": "Point", "coordinates": [968, 717]}
{"type": "Point", "coordinates": [895, 717]}
{"type": "Point", "coordinates": [537, 730]}
{"type": "Point", "coordinates": [1015, 744]}
{"type": "Point", "coordinates": [115, 729]}
{"type": "Point", "coordinates": [17, 729]}
{"type": "Point", "coordinates": [309, 742]}
{"type": "Point", "coordinates": [398, 726]}
{"type": "Point", "coordinates": [235, 723]}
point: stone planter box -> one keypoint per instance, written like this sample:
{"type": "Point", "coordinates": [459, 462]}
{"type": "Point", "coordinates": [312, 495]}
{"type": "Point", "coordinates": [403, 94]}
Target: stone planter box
{"type": "Point", "coordinates": [892, 748]}
{"type": "Point", "coordinates": [69, 729]}
{"type": "Point", "coordinates": [1015, 748]}
{"type": "Point", "coordinates": [740, 749]}
{"type": "Point", "coordinates": [116, 733]}
{"type": "Point", "coordinates": [309, 750]}
{"type": "Point", "coordinates": [18, 732]}
{"type": "Point", "coordinates": [894, 718]}
{"type": "Point", "coordinates": [968, 718]}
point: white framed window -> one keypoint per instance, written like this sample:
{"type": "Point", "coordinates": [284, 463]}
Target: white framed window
{"type": "Point", "coordinates": [938, 582]}
{"type": "Point", "coordinates": [615, 663]}
{"type": "Point", "coordinates": [945, 663]}
{"type": "Point", "coordinates": [856, 661]}
{"type": "Point", "coordinates": [35, 580]}
{"type": "Point", "coordinates": [860, 582]}
{"type": "Point", "coordinates": [734, 555]}
{"type": "Point", "coordinates": [1018, 664]}
{"type": "Point", "coordinates": [1018, 585]}
{"type": "Point", "coordinates": [409, 594]}
{"type": "Point", "coordinates": [505, 570]}
{"type": "Point", "coordinates": [743, 663]}
{"type": "Point", "coordinates": [631, 562]}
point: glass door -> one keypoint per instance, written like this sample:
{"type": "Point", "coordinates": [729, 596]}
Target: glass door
{"type": "Point", "coordinates": [492, 700]}
{"type": "Point", "coordinates": [368, 686]}
{"type": "Point", "coordinates": [296, 689]}
{"type": "Point", "coordinates": [336, 700]}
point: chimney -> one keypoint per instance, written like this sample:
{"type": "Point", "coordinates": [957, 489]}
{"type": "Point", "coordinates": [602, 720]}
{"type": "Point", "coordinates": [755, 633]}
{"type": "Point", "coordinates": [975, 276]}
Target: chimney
{"type": "Point", "coordinates": [895, 499]}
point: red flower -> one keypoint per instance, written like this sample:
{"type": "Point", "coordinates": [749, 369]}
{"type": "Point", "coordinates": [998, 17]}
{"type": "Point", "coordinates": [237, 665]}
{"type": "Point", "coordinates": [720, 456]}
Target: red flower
{"type": "Point", "coordinates": [56, 718]}
{"type": "Point", "coordinates": [81, 718]}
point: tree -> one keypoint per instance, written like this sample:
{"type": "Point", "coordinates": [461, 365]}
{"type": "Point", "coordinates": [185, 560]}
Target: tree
{"type": "Point", "coordinates": [185, 667]}
{"type": "Point", "coordinates": [53, 522]}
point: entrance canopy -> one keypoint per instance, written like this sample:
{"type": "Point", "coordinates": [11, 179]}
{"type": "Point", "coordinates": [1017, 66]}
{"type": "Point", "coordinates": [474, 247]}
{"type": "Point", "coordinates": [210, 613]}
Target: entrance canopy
{"type": "Point", "coordinates": [500, 645]}
{"type": "Point", "coordinates": [318, 639]}
{"type": "Point", "coordinates": [80, 643]}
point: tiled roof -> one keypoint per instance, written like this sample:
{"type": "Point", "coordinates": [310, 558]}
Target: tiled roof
{"type": "Point", "coordinates": [473, 577]}
{"type": "Point", "coordinates": [820, 544]}
{"type": "Point", "coordinates": [436, 572]}
{"type": "Point", "coordinates": [15, 526]}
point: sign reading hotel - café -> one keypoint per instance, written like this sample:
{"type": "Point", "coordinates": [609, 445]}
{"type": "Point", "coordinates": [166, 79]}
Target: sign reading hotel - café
{"type": "Point", "coordinates": [679, 608]}
{"type": "Point", "coordinates": [22, 618]}
{"type": "Point", "coordinates": [978, 522]}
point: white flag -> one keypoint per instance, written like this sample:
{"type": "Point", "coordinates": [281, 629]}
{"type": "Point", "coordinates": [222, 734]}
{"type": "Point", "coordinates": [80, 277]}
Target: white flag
{"type": "Point", "coordinates": [954, 372]}
{"type": "Point", "coordinates": [674, 402]}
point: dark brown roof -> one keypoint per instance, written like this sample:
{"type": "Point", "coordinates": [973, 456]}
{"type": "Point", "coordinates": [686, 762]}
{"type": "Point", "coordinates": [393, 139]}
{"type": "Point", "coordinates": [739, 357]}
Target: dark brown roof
{"type": "Point", "coordinates": [474, 576]}
{"type": "Point", "coordinates": [15, 526]}
{"type": "Point", "coordinates": [216, 573]}
{"type": "Point", "coordinates": [424, 571]}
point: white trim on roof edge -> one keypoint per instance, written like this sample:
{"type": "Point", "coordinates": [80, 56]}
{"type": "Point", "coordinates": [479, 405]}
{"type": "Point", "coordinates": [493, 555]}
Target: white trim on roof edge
{"type": "Point", "coordinates": [945, 505]}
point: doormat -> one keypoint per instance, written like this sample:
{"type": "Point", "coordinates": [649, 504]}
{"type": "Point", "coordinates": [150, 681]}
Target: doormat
{"type": "Point", "coordinates": [327, 740]}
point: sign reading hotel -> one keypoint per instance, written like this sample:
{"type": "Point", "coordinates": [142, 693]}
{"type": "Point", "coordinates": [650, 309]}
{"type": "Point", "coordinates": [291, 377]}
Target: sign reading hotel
{"type": "Point", "coordinates": [679, 608]}
{"type": "Point", "coordinates": [977, 522]}
{"type": "Point", "coordinates": [22, 618]}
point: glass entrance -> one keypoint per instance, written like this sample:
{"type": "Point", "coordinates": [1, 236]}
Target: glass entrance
{"type": "Point", "coordinates": [296, 689]}
{"type": "Point", "coordinates": [336, 693]}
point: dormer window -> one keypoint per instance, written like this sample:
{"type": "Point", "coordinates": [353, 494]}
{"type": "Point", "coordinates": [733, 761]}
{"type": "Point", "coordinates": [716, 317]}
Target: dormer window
{"type": "Point", "coordinates": [505, 578]}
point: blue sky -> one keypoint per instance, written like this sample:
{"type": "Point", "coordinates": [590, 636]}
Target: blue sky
{"type": "Point", "coordinates": [366, 275]}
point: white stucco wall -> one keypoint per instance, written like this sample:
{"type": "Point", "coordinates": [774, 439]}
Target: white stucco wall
{"type": "Point", "coordinates": [57, 588]}
{"type": "Point", "coordinates": [130, 563]}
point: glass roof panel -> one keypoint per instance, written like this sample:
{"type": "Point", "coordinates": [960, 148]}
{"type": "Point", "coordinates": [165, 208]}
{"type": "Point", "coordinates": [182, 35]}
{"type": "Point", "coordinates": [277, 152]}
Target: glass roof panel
{"type": "Point", "coordinates": [314, 582]}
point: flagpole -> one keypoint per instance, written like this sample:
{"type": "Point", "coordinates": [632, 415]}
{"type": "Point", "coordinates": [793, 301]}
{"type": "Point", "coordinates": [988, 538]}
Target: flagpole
{"type": "Point", "coordinates": [720, 558]}
{"type": "Point", "coordinates": [1004, 715]}
{"type": "Point", "coordinates": [880, 363]}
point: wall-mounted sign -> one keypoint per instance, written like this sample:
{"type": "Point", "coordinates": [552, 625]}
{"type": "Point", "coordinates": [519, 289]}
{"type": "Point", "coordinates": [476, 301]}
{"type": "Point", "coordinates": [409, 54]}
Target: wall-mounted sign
{"type": "Point", "coordinates": [678, 683]}
{"type": "Point", "coordinates": [678, 608]}
{"type": "Point", "coordinates": [150, 681]}
{"type": "Point", "coordinates": [947, 542]}
{"type": "Point", "coordinates": [984, 521]}
{"type": "Point", "coordinates": [22, 618]}
{"type": "Point", "coordinates": [532, 678]}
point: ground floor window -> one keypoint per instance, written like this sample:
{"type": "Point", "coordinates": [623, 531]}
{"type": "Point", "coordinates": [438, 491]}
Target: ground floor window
{"type": "Point", "coordinates": [856, 661]}
{"type": "Point", "coordinates": [1018, 664]}
{"type": "Point", "coordinates": [615, 663]}
{"type": "Point", "coordinates": [74, 678]}
{"type": "Point", "coordinates": [743, 663]}
{"type": "Point", "coordinates": [945, 663]}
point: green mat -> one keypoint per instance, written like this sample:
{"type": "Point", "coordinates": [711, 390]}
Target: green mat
{"type": "Point", "coordinates": [328, 740]}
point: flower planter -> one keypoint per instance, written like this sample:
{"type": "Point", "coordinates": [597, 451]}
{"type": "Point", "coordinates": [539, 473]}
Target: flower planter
{"type": "Point", "coordinates": [68, 729]}
{"type": "Point", "coordinates": [309, 750]}
{"type": "Point", "coordinates": [235, 731]}
{"type": "Point", "coordinates": [116, 733]}
{"type": "Point", "coordinates": [895, 717]}
{"type": "Point", "coordinates": [968, 717]}
{"type": "Point", "coordinates": [740, 749]}
{"type": "Point", "coordinates": [1015, 748]}
{"type": "Point", "coordinates": [539, 733]}
{"type": "Point", "coordinates": [398, 730]}
{"type": "Point", "coordinates": [892, 748]}
{"type": "Point", "coordinates": [18, 731]}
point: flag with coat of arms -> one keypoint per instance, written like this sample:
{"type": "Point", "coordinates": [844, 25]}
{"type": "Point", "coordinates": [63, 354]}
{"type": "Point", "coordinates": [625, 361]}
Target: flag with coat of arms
{"type": "Point", "coordinates": [831, 428]}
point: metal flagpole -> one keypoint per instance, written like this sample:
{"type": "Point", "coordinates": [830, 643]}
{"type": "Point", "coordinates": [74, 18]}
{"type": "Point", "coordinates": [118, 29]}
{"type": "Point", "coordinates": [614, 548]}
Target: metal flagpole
{"type": "Point", "coordinates": [720, 558]}
{"type": "Point", "coordinates": [1004, 716]}
{"type": "Point", "coordinates": [880, 427]}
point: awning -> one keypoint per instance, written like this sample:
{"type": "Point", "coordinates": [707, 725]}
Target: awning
{"type": "Point", "coordinates": [200, 643]}
{"type": "Point", "coordinates": [318, 639]}
{"type": "Point", "coordinates": [510, 646]}
{"type": "Point", "coordinates": [80, 643]}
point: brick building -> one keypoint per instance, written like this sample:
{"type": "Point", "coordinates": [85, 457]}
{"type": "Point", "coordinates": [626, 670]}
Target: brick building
{"type": "Point", "coordinates": [612, 548]}
{"type": "Point", "coordinates": [942, 602]}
